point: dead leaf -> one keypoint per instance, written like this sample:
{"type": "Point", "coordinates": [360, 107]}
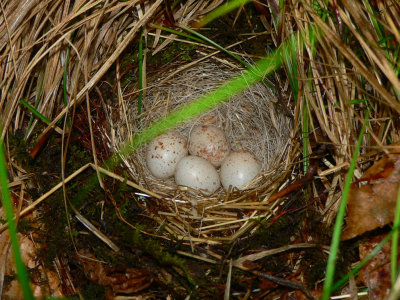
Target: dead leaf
{"type": "Point", "coordinates": [376, 274]}
{"type": "Point", "coordinates": [44, 282]}
{"type": "Point", "coordinates": [372, 199]}
{"type": "Point", "coordinates": [126, 281]}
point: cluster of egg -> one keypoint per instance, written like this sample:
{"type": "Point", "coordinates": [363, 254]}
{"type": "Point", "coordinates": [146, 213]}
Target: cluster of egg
{"type": "Point", "coordinates": [208, 149]}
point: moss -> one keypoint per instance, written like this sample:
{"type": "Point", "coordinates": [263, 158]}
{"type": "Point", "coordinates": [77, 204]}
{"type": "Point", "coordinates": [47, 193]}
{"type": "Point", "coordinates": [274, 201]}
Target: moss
{"type": "Point", "coordinates": [53, 233]}
{"type": "Point", "coordinates": [77, 157]}
{"type": "Point", "coordinates": [181, 50]}
{"type": "Point", "coordinates": [154, 249]}
{"type": "Point", "coordinates": [227, 34]}
{"type": "Point", "coordinates": [19, 148]}
{"type": "Point", "coordinates": [91, 290]}
{"type": "Point", "coordinates": [174, 51]}
{"type": "Point", "coordinates": [278, 232]}
{"type": "Point", "coordinates": [24, 226]}
{"type": "Point", "coordinates": [163, 257]}
{"type": "Point", "coordinates": [313, 265]}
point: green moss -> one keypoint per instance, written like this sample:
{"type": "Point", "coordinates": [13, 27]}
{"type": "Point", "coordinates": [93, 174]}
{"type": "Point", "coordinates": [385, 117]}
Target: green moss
{"type": "Point", "coordinates": [174, 51]}
{"type": "Point", "coordinates": [163, 257]}
{"type": "Point", "coordinates": [277, 233]}
{"type": "Point", "coordinates": [54, 233]}
{"type": "Point", "coordinates": [91, 290]}
{"type": "Point", "coordinates": [24, 226]}
{"type": "Point", "coordinates": [181, 50]}
{"type": "Point", "coordinates": [313, 265]}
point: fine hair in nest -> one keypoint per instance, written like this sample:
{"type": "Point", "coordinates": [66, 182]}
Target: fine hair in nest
{"type": "Point", "coordinates": [251, 120]}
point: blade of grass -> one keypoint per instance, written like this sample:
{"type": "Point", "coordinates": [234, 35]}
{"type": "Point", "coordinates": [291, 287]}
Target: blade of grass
{"type": "Point", "coordinates": [216, 45]}
{"type": "Point", "coordinates": [395, 241]}
{"type": "Point", "coordinates": [188, 36]}
{"type": "Point", "coordinates": [22, 274]}
{"type": "Point", "coordinates": [35, 112]}
{"type": "Point", "coordinates": [330, 270]}
{"type": "Point", "coordinates": [372, 15]}
{"type": "Point", "coordinates": [65, 75]}
{"type": "Point", "coordinates": [220, 11]}
{"type": "Point", "coordinates": [356, 269]}
{"type": "Point", "coordinates": [292, 66]}
{"type": "Point", "coordinates": [290, 58]}
{"type": "Point", "coordinates": [36, 105]}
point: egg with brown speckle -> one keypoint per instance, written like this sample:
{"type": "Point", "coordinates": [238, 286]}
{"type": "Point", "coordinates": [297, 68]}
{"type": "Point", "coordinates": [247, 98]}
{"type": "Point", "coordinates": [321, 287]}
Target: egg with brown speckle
{"type": "Point", "coordinates": [164, 153]}
{"type": "Point", "coordinates": [197, 173]}
{"type": "Point", "coordinates": [210, 143]}
{"type": "Point", "coordinates": [239, 168]}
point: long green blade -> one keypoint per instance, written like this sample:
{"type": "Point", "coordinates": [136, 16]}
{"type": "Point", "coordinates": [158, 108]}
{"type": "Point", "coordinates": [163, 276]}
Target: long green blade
{"type": "Point", "coordinates": [22, 274]}
{"type": "Point", "coordinates": [330, 270]}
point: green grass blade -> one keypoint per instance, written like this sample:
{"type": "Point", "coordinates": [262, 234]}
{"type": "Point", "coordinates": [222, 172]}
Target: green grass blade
{"type": "Point", "coordinates": [65, 75]}
{"type": "Point", "coordinates": [330, 270]}
{"type": "Point", "coordinates": [216, 45]}
{"type": "Point", "coordinates": [221, 11]}
{"type": "Point", "coordinates": [39, 93]}
{"type": "Point", "coordinates": [395, 241]}
{"type": "Point", "coordinates": [22, 274]}
{"type": "Point", "coordinates": [293, 79]}
{"type": "Point", "coordinates": [355, 270]}
{"type": "Point", "coordinates": [290, 59]}
{"type": "Point", "coordinates": [35, 112]}
{"type": "Point", "coordinates": [372, 15]}
{"type": "Point", "coordinates": [185, 35]}
{"type": "Point", "coordinates": [200, 39]}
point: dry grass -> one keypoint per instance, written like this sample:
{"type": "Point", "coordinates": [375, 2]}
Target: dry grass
{"type": "Point", "coordinates": [350, 68]}
{"type": "Point", "coordinates": [41, 34]}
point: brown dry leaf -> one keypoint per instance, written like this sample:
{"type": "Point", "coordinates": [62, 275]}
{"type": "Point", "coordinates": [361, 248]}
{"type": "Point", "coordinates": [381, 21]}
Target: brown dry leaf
{"type": "Point", "coordinates": [376, 274]}
{"type": "Point", "coordinates": [43, 282]}
{"type": "Point", "coordinates": [372, 205]}
{"type": "Point", "coordinates": [126, 281]}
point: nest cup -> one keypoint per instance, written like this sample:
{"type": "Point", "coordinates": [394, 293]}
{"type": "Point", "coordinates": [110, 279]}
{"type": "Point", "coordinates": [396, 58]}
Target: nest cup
{"type": "Point", "coordinates": [251, 120]}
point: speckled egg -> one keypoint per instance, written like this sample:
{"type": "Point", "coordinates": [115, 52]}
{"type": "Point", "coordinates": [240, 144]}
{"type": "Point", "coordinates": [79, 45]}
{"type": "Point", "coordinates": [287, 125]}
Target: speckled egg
{"type": "Point", "coordinates": [209, 142]}
{"type": "Point", "coordinates": [197, 173]}
{"type": "Point", "coordinates": [164, 153]}
{"type": "Point", "coordinates": [239, 168]}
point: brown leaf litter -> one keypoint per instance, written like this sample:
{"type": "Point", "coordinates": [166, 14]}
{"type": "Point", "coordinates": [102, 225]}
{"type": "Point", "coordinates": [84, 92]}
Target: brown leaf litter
{"type": "Point", "coordinates": [372, 199]}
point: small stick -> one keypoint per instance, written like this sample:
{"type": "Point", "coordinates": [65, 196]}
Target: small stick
{"type": "Point", "coordinates": [284, 282]}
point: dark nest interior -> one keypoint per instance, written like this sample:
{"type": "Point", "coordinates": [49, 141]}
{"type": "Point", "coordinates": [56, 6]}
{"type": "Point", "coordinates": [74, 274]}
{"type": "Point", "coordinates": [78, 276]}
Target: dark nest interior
{"type": "Point", "coordinates": [310, 88]}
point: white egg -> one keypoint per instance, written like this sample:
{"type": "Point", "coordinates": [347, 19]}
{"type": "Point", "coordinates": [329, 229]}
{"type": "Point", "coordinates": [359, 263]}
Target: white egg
{"type": "Point", "coordinates": [164, 153]}
{"type": "Point", "coordinates": [210, 143]}
{"type": "Point", "coordinates": [197, 173]}
{"type": "Point", "coordinates": [238, 169]}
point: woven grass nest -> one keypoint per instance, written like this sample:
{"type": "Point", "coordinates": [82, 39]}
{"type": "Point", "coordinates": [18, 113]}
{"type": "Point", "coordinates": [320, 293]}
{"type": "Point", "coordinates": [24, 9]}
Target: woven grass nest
{"type": "Point", "coordinates": [251, 120]}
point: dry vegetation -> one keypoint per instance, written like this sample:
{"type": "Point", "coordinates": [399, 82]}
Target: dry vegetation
{"type": "Point", "coordinates": [69, 80]}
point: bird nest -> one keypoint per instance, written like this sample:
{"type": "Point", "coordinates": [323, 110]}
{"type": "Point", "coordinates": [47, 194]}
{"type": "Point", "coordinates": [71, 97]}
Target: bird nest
{"type": "Point", "coordinates": [251, 120]}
